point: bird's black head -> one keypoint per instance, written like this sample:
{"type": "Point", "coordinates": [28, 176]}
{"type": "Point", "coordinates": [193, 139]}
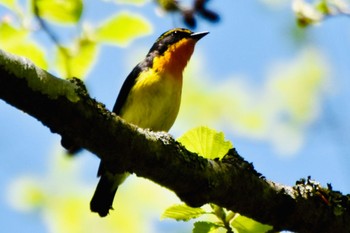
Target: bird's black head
{"type": "Point", "coordinates": [173, 36]}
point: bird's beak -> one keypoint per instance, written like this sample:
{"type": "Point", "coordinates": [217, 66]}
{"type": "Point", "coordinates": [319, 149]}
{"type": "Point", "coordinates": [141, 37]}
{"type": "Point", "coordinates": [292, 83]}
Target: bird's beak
{"type": "Point", "coordinates": [198, 35]}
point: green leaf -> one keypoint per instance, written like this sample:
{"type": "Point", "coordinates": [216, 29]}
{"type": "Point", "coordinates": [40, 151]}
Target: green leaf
{"type": "Point", "coordinates": [168, 5]}
{"type": "Point", "coordinates": [16, 41]}
{"type": "Point", "coordinates": [131, 2]}
{"type": "Point", "coordinates": [323, 7]}
{"type": "Point", "coordinates": [121, 29]}
{"type": "Point", "coordinates": [206, 142]}
{"type": "Point", "coordinates": [218, 211]}
{"type": "Point", "coordinates": [77, 61]}
{"type": "Point", "coordinates": [8, 3]}
{"type": "Point", "coordinates": [182, 212]}
{"type": "Point", "coordinates": [32, 51]}
{"type": "Point", "coordinates": [60, 11]}
{"type": "Point", "coordinates": [11, 36]}
{"type": "Point", "coordinates": [204, 227]}
{"type": "Point", "coordinates": [247, 225]}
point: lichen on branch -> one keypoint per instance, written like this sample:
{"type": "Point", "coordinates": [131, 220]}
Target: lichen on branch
{"type": "Point", "coordinates": [65, 108]}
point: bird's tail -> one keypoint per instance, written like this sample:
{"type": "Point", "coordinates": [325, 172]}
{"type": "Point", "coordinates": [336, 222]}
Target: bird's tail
{"type": "Point", "coordinates": [105, 191]}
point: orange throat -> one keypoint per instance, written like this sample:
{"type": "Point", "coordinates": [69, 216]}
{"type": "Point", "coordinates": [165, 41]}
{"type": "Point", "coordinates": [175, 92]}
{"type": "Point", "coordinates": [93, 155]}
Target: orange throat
{"type": "Point", "coordinates": [175, 59]}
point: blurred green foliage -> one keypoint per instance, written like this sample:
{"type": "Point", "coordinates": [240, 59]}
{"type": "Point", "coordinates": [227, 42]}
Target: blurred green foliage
{"type": "Point", "coordinates": [59, 11]}
{"type": "Point", "coordinates": [18, 41]}
{"type": "Point", "coordinates": [278, 111]}
{"type": "Point", "coordinates": [77, 58]}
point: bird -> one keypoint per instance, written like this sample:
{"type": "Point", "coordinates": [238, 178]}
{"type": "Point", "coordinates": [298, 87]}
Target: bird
{"type": "Point", "coordinates": [149, 98]}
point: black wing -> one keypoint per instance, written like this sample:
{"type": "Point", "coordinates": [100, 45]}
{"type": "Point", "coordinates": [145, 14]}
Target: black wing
{"type": "Point", "coordinates": [130, 81]}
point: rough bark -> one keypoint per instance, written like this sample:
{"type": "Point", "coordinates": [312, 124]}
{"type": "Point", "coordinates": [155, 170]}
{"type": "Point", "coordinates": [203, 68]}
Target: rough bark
{"type": "Point", "coordinates": [65, 107]}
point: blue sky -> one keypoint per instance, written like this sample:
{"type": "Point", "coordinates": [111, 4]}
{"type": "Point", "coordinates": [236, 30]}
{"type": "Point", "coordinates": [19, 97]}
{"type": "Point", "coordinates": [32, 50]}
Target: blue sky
{"type": "Point", "coordinates": [249, 39]}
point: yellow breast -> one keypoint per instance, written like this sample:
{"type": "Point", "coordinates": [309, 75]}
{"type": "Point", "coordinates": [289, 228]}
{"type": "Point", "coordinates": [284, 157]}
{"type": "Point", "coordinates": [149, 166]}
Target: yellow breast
{"type": "Point", "coordinates": [154, 101]}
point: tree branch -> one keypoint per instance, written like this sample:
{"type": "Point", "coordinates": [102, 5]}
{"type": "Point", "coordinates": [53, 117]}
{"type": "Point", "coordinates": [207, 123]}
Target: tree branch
{"type": "Point", "coordinates": [66, 108]}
